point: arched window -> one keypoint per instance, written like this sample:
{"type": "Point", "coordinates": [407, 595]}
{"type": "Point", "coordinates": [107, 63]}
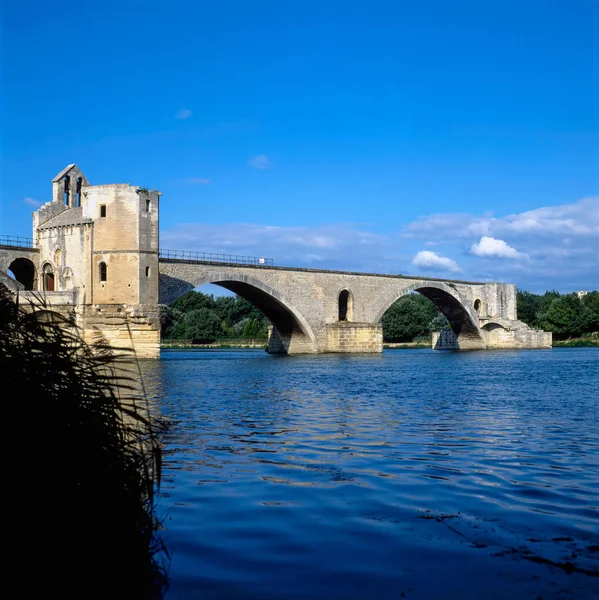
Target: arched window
{"type": "Point", "coordinates": [79, 183]}
{"type": "Point", "coordinates": [57, 257]}
{"type": "Point", "coordinates": [102, 268]}
{"type": "Point", "coordinates": [67, 190]}
{"type": "Point", "coordinates": [477, 305]}
{"type": "Point", "coordinates": [147, 271]}
{"type": "Point", "coordinates": [345, 306]}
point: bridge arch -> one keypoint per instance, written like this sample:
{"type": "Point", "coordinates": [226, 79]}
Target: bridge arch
{"type": "Point", "coordinates": [24, 272]}
{"type": "Point", "coordinates": [462, 317]}
{"type": "Point", "coordinates": [292, 330]}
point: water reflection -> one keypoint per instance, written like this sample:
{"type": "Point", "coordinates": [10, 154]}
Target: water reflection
{"type": "Point", "coordinates": [428, 474]}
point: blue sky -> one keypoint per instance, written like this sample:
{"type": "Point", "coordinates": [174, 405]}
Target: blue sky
{"type": "Point", "coordinates": [451, 138]}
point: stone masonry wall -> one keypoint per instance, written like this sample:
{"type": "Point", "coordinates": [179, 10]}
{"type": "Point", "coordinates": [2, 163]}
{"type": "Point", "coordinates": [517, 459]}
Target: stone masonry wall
{"type": "Point", "coordinates": [123, 326]}
{"type": "Point", "coordinates": [354, 337]}
{"type": "Point", "coordinates": [311, 297]}
{"type": "Point", "coordinates": [498, 337]}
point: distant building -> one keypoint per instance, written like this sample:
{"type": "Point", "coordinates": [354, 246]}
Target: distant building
{"type": "Point", "coordinates": [581, 294]}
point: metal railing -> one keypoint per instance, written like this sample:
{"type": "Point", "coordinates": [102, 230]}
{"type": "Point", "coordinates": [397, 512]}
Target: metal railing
{"type": "Point", "coordinates": [16, 241]}
{"type": "Point", "coordinates": [230, 259]}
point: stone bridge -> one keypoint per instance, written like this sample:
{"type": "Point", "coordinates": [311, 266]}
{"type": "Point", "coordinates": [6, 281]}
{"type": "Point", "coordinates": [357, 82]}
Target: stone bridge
{"type": "Point", "coordinates": [314, 311]}
{"type": "Point", "coordinates": [94, 255]}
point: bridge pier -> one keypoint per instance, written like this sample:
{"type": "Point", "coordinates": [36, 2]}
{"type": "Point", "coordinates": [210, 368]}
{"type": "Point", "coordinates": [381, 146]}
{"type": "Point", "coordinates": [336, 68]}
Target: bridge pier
{"type": "Point", "coordinates": [346, 336]}
{"type": "Point", "coordinates": [337, 337]}
{"type": "Point", "coordinates": [135, 327]}
{"type": "Point", "coordinates": [294, 342]}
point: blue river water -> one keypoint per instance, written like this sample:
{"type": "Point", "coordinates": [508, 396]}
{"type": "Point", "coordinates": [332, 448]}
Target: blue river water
{"type": "Point", "coordinates": [411, 474]}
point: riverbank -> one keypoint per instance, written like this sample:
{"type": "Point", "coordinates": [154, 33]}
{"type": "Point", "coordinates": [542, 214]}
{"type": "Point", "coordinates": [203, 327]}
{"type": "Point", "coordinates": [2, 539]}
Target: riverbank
{"type": "Point", "coordinates": [233, 344]}
{"type": "Point", "coordinates": [224, 344]}
{"type": "Point", "coordinates": [406, 345]}
{"type": "Point", "coordinates": [577, 343]}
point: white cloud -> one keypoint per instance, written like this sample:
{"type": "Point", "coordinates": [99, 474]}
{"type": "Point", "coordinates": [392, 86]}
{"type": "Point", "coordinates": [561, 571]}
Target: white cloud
{"type": "Point", "coordinates": [32, 202]}
{"type": "Point", "coordinates": [183, 114]}
{"type": "Point", "coordinates": [578, 219]}
{"type": "Point", "coordinates": [199, 181]}
{"type": "Point", "coordinates": [553, 247]}
{"type": "Point", "coordinates": [260, 162]}
{"type": "Point", "coordinates": [490, 247]}
{"type": "Point", "coordinates": [340, 246]}
{"type": "Point", "coordinates": [425, 259]}
{"type": "Point", "coordinates": [562, 253]}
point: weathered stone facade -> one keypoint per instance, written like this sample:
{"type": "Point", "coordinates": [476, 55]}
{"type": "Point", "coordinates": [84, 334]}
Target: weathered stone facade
{"type": "Point", "coordinates": [96, 257]}
{"type": "Point", "coordinates": [96, 254]}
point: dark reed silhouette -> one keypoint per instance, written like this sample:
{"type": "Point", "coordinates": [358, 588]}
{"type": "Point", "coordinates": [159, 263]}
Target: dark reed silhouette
{"type": "Point", "coordinates": [83, 455]}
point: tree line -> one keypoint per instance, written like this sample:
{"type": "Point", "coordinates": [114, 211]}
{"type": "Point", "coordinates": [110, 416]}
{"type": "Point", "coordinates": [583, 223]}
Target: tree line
{"type": "Point", "coordinates": [565, 315]}
{"type": "Point", "coordinates": [202, 317]}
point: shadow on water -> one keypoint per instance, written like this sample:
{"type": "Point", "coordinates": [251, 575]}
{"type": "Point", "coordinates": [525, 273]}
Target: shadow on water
{"type": "Point", "coordinates": [82, 481]}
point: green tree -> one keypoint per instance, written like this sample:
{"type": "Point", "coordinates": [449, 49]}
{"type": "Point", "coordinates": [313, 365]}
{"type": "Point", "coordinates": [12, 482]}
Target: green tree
{"type": "Point", "coordinates": [227, 330]}
{"type": "Point", "coordinates": [225, 307]}
{"type": "Point", "coordinates": [408, 318]}
{"type": "Point", "coordinates": [193, 301]}
{"type": "Point", "coordinates": [254, 329]}
{"type": "Point", "coordinates": [528, 305]}
{"type": "Point", "coordinates": [201, 324]}
{"type": "Point", "coordinates": [564, 316]}
{"type": "Point", "coordinates": [591, 305]}
{"type": "Point", "coordinates": [545, 302]}
{"type": "Point", "coordinates": [438, 323]}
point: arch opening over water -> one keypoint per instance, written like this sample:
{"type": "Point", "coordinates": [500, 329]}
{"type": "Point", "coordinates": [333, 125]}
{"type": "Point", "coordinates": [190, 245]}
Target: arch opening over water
{"type": "Point", "coordinates": [283, 318]}
{"type": "Point", "coordinates": [462, 319]}
{"type": "Point", "coordinates": [291, 330]}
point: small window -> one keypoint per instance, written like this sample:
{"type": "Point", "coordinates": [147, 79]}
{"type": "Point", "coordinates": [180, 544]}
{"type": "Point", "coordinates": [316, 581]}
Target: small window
{"type": "Point", "coordinates": [78, 197]}
{"type": "Point", "coordinates": [147, 271]}
{"type": "Point", "coordinates": [102, 210]}
{"type": "Point", "coordinates": [345, 306]}
{"type": "Point", "coordinates": [102, 267]}
{"type": "Point", "coordinates": [148, 205]}
{"type": "Point", "coordinates": [477, 305]}
{"type": "Point", "coordinates": [67, 190]}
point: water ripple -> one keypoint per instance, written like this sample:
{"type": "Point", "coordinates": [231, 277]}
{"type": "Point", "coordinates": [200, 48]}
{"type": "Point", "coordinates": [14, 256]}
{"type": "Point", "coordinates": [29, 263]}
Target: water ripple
{"type": "Point", "coordinates": [411, 474]}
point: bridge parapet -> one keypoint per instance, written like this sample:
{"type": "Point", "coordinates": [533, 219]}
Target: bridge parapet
{"type": "Point", "coordinates": [214, 258]}
{"type": "Point", "coordinates": [18, 242]}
